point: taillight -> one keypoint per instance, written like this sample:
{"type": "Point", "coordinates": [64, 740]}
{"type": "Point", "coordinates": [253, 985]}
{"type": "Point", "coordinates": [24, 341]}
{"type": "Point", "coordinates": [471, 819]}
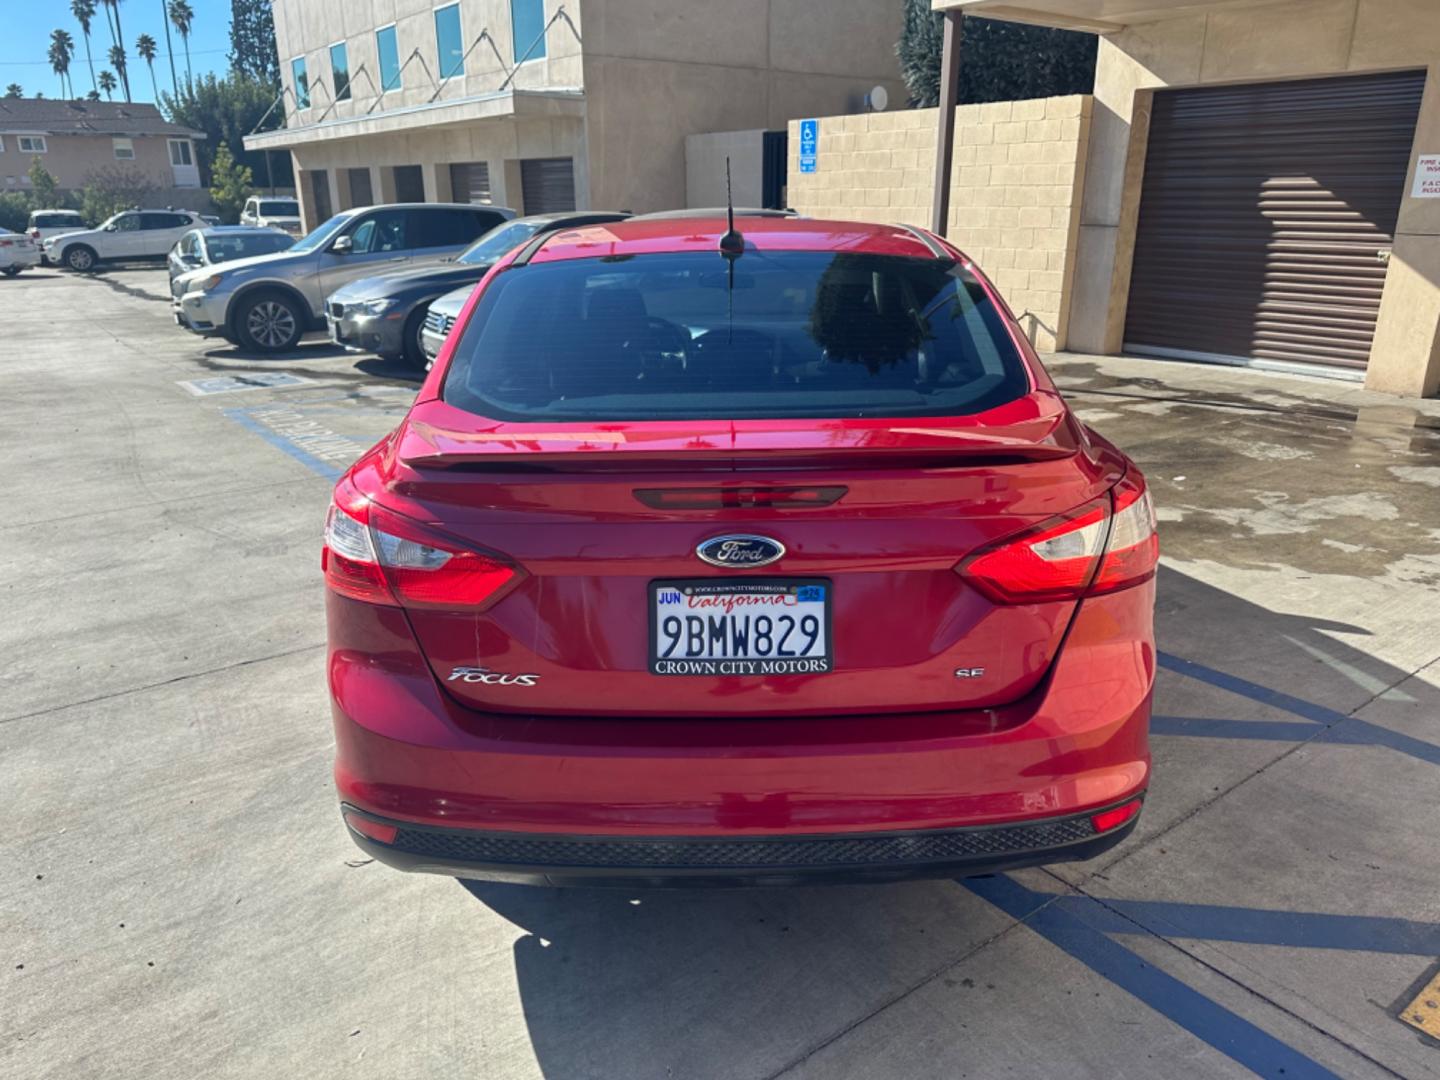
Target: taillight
{"type": "Point", "coordinates": [1105, 545]}
{"type": "Point", "coordinates": [380, 557]}
{"type": "Point", "coordinates": [1115, 816]}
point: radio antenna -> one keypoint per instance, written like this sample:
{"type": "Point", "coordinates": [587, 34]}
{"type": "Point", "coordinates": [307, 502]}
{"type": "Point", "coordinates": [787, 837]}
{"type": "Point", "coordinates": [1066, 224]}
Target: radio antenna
{"type": "Point", "coordinates": [732, 246]}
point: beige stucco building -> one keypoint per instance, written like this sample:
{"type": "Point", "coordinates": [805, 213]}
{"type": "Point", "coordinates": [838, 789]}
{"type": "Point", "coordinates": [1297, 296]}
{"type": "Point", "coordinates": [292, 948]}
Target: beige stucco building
{"type": "Point", "coordinates": [543, 104]}
{"type": "Point", "coordinates": [76, 140]}
{"type": "Point", "coordinates": [1261, 182]}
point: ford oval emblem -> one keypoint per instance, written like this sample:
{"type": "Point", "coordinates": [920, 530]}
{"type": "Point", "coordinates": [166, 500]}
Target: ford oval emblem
{"type": "Point", "coordinates": [741, 550]}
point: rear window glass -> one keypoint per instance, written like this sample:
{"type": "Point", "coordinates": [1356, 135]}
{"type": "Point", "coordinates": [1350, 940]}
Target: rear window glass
{"type": "Point", "coordinates": [797, 334]}
{"type": "Point", "coordinates": [279, 208]}
{"type": "Point", "coordinates": [50, 221]}
{"type": "Point", "coordinates": [223, 248]}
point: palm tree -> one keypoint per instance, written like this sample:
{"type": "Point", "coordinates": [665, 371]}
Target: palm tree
{"type": "Point", "coordinates": [84, 12]}
{"type": "Point", "coordinates": [119, 34]}
{"type": "Point", "coordinates": [64, 48]}
{"type": "Point", "coordinates": [145, 46]}
{"type": "Point", "coordinates": [183, 17]}
{"type": "Point", "coordinates": [108, 84]}
{"type": "Point", "coordinates": [117, 61]}
{"type": "Point", "coordinates": [169, 47]}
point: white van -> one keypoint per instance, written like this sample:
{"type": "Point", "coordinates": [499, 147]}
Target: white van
{"type": "Point", "coordinates": [273, 211]}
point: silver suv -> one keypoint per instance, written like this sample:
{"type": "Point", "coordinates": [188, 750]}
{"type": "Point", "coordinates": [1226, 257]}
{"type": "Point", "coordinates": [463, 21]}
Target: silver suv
{"type": "Point", "coordinates": [268, 302]}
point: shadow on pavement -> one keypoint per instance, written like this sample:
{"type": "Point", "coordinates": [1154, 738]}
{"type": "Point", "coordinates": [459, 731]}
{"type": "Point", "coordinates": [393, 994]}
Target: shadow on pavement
{"type": "Point", "coordinates": [743, 982]}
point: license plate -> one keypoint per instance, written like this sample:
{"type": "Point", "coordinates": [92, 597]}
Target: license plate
{"type": "Point", "coordinates": [750, 627]}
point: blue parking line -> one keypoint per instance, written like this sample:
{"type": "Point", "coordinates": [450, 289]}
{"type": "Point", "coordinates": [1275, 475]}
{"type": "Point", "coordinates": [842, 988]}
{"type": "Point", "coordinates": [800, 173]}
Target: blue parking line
{"type": "Point", "coordinates": [1210, 728]}
{"type": "Point", "coordinates": [1322, 724]}
{"type": "Point", "coordinates": [1254, 691]}
{"type": "Point", "coordinates": [1079, 928]}
{"type": "Point", "coordinates": [310, 461]}
{"type": "Point", "coordinates": [1261, 926]}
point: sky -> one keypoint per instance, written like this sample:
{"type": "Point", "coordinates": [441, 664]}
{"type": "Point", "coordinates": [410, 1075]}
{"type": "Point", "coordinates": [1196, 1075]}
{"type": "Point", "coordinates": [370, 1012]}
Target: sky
{"type": "Point", "coordinates": [26, 39]}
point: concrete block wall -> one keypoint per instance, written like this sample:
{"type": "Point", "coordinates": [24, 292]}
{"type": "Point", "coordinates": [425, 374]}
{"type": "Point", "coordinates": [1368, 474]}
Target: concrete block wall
{"type": "Point", "coordinates": [1016, 186]}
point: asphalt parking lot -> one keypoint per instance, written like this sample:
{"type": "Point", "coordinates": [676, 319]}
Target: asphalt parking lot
{"type": "Point", "coordinates": [180, 898]}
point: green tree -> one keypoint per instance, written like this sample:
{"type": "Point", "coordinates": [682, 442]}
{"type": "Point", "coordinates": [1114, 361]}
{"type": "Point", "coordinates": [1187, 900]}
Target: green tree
{"type": "Point", "coordinates": [169, 47]}
{"type": "Point", "coordinates": [112, 189]}
{"type": "Point", "coordinates": [919, 50]}
{"type": "Point", "coordinates": [230, 184]}
{"type": "Point", "coordinates": [145, 47]}
{"type": "Point", "coordinates": [182, 17]}
{"type": "Point", "coordinates": [252, 41]}
{"type": "Point", "coordinates": [108, 84]}
{"type": "Point", "coordinates": [44, 187]}
{"type": "Point", "coordinates": [117, 36]}
{"type": "Point", "coordinates": [227, 110]}
{"type": "Point", "coordinates": [92, 95]}
{"type": "Point", "coordinates": [14, 90]}
{"type": "Point", "coordinates": [117, 61]}
{"type": "Point", "coordinates": [84, 12]}
{"type": "Point", "coordinates": [1000, 61]}
{"type": "Point", "coordinates": [62, 49]}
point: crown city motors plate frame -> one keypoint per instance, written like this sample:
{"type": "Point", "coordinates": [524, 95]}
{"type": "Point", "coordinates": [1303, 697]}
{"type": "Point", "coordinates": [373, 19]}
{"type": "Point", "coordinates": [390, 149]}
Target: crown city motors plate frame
{"type": "Point", "coordinates": [808, 592]}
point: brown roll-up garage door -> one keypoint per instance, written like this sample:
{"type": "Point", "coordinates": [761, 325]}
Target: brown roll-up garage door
{"type": "Point", "coordinates": [547, 184]}
{"type": "Point", "coordinates": [1265, 216]}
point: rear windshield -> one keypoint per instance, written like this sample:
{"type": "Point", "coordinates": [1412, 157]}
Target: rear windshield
{"type": "Point", "coordinates": [279, 208]}
{"type": "Point", "coordinates": [50, 221]}
{"type": "Point", "coordinates": [791, 334]}
{"type": "Point", "coordinates": [224, 248]}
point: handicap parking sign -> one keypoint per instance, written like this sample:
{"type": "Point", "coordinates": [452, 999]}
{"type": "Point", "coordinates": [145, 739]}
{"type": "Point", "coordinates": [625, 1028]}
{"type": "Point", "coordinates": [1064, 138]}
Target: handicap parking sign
{"type": "Point", "coordinates": [809, 145]}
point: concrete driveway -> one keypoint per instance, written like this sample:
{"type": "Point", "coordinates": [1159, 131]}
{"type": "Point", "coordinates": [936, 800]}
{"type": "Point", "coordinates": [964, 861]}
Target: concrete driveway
{"type": "Point", "coordinates": [180, 898]}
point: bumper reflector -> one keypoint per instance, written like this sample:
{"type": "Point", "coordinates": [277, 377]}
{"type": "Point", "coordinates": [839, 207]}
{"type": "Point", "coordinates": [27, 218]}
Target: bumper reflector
{"type": "Point", "coordinates": [373, 829]}
{"type": "Point", "coordinates": [1115, 816]}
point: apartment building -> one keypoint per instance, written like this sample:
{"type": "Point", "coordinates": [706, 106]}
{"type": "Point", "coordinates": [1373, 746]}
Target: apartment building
{"type": "Point", "coordinates": [554, 104]}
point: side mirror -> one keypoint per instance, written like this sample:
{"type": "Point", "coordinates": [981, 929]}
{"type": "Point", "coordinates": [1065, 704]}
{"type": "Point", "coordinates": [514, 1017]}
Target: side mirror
{"type": "Point", "coordinates": [191, 260]}
{"type": "Point", "coordinates": [110, 228]}
{"type": "Point", "coordinates": [343, 245]}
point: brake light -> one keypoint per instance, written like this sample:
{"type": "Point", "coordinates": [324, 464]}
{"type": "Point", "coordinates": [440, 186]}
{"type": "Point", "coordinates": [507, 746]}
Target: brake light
{"type": "Point", "coordinates": [379, 557]}
{"type": "Point", "coordinates": [1105, 545]}
{"type": "Point", "coordinates": [739, 498]}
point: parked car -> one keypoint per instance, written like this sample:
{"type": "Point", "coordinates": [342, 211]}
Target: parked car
{"type": "Point", "coordinates": [386, 314]}
{"type": "Point", "coordinates": [128, 236]}
{"type": "Point", "coordinates": [200, 248]}
{"type": "Point", "coordinates": [272, 211]}
{"type": "Point", "coordinates": [771, 557]}
{"type": "Point", "coordinates": [268, 302]}
{"type": "Point", "coordinates": [17, 252]}
{"type": "Point", "coordinates": [44, 224]}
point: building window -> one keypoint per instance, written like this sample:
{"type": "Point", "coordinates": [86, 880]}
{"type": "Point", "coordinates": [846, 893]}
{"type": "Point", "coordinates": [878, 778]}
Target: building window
{"type": "Point", "coordinates": [124, 149]}
{"type": "Point", "coordinates": [527, 22]}
{"type": "Point", "coordinates": [302, 83]}
{"type": "Point", "coordinates": [31, 144]}
{"type": "Point", "coordinates": [448, 41]}
{"type": "Point", "coordinates": [180, 152]}
{"type": "Point", "coordinates": [389, 59]}
{"type": "Point", "coordinates": [340, 70]}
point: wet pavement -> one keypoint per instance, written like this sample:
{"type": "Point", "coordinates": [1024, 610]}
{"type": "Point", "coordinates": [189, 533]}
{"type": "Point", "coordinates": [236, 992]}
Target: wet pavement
{"type": "Point", "coordinates": [181, 898]}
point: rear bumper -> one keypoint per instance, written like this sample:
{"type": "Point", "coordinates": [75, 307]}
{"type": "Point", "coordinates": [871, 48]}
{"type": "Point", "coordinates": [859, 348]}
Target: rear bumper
{"type": "Point", "coordinates": [529, 859]}
{"type": "Point", "coordinates": [409, 754]}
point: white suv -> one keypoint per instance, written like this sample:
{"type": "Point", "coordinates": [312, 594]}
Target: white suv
{"type": "Point", "coordinates": [44, 224]}
{"type": "Point", "coordinates": [131, 234]}
{"type": "Point", "coordinates": [275, 212]}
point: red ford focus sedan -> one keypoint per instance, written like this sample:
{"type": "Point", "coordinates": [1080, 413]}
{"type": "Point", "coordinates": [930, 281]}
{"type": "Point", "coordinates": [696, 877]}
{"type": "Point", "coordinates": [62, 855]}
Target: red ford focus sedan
{"type": "Point", "coordinates": [764, 556]}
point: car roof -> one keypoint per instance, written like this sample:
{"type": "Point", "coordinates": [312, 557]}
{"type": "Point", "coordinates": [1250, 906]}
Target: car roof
{"type": "Point", "coordinates": [566, 215]}
{"type": "Point", "coordinates": [423, 206]}
{"type": "Point", "coordinates": [650, 235]}
{"type": "Point", "coordinates": [56, 210]}
{"type": "Point", "coordinates": [213, 230]}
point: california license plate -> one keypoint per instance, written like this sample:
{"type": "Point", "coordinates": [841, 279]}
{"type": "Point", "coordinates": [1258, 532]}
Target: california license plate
{"type": "Point", "coordinates": [749, 627]}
